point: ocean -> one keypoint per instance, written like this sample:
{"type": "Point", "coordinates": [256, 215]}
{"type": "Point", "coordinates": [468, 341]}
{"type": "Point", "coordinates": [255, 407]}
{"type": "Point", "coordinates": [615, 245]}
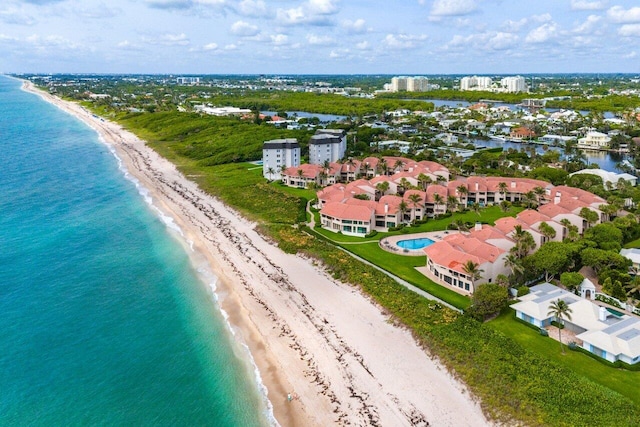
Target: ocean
{"type": "Point", "coordinates": [103, 318]}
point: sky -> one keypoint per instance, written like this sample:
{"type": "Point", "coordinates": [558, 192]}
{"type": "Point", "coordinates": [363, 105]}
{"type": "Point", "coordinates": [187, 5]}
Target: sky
{"type": "Point", "coordinates": [403, 37]}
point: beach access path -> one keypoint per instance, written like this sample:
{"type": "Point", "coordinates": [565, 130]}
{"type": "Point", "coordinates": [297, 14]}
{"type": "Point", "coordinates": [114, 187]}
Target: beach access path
{"type": "Point", "coordinates": [307, 333]}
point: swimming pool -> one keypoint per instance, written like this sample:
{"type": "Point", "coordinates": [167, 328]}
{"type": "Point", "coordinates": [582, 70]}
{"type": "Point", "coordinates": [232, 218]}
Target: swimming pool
{"type": "Point", "coordinates": [415, 244]}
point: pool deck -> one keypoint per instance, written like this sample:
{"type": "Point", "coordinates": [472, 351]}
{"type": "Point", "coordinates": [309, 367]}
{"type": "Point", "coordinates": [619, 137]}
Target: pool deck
{"type": "Point", "coordinates": [390, 244]}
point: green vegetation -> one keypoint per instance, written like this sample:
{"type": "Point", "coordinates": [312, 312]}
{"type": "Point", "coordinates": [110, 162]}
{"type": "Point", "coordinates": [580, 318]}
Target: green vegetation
{"type": "Point", "coordinates": [519, 378]}
{"type": "Point", "coordinates": [599, 104]}
{"type": "Point", "coordinates": [210, 140]}
{"type": "Point", "coordinates": [621, 381]}
{"type": "Point", "coordinates": [316, 103]}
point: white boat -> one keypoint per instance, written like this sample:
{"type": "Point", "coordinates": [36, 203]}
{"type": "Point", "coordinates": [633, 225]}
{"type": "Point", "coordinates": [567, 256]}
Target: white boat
{"type": "Point", "coordinates": [498, 138]}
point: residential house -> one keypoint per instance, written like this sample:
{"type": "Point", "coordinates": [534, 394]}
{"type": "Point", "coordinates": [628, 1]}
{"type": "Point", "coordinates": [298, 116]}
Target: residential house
{"type": "Point", "coordinates": [594, 141]}
{"type": "Point", "coordinates": [606, 333]}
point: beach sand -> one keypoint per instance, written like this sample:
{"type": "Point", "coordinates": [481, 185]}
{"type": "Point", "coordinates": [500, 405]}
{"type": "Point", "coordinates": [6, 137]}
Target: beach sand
{"type": "Point", "coordinates": [320, 340]}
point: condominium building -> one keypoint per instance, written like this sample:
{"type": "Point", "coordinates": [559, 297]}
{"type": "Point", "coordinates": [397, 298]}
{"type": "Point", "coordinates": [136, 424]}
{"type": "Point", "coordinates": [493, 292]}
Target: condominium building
{"type": "Point", "coordinates": [398, 84]}
{"type": "Point", "coordinates": [514, 84]}
{"type": "Point", "coordinates": [411, 84]}
{"type": "Point", "coordinates": [475, 83]}
{"type": "Point", "coordinates": [327, 145]}
{"type": "Point", "coordinates": [279, 154]}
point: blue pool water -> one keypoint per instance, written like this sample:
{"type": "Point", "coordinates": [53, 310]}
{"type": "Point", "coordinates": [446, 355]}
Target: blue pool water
{"type": "Point", "coordinates": [415, 244]}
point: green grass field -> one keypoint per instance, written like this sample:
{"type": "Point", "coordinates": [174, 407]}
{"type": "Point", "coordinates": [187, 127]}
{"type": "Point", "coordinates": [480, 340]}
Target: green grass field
{"type": "Point", "coordinates": [623, 381]}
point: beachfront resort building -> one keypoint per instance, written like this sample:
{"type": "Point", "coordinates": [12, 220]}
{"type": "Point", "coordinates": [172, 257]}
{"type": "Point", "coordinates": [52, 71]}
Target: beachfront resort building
{"type": "Point", "coordinates": [327, 145]}
{"type": "Point", "coordinates": [279, 154]}
{"type": "Point", "coordinates": [608, 334]}
{"type": "Point", "coordinates": [446, 258]}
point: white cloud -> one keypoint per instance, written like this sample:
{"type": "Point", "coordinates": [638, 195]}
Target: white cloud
{"type": "Point", "coordinates": [355, 27]}
{"type": "Point", "coordinates": [502, 41]}
{"type": "Point", "coordinates": [630, 55]}
{"type": "Point", "coordinates": [210, 46]}
{"type": "Point", "coordinates": [452, 7]}
{"type": "Point", "coordinates": [16, 16]}
{"type": "Point", "coordinates": [314, 12]}
{"type": "Point", "coordinates": [231, 47]}
{"type": "Point", "coordinates": [363, 45]}
{"type": "Point", "coordinates": [322, 7]}
{"type": "Point", "coordinates": [619, 15]}
{"type": "Point", "coordinates": [490, 40]}
{"type": "Point", "coordinates": [543, 33]}
{"type": "Point", "coordinates": [100, 11]}
{"type": "Point", "coordinates": [545, 17]}
{"type": "Point", "coordinates": [244, 29]}
{"type": "Point", "coordinates": [279, 39]}
{"type": "Point", "coordinates": [629, 30]}
{"type": "Point", "coordinates": [402, 41]}
{"type": "Point", "coordinates": [168, 39]}
{"type": "Point", "coordinates": [589, 26]}
{"type": "Point", "coordinates": [255, 8]}
{"type": "Point", "coordinates": [320, 40]}
{"type": "Point", "coordinates": [588, 5]}
{"type": "Point", "coordinates": [513, 26]}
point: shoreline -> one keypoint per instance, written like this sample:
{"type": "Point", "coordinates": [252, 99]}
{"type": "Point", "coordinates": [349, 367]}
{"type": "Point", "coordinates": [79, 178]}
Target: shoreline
{"type": "Point", "coordinates": [306, 333]}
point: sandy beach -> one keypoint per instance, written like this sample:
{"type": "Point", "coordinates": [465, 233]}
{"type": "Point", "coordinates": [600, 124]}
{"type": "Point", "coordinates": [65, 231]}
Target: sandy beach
{"type": "Point", "coordinates": [318, 339]}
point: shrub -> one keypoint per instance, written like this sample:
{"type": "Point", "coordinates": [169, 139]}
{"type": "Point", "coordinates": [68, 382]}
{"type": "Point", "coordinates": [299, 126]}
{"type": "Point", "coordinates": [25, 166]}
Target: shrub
{"type": "Point", "coordinates": [523, 290]}
{"type": "Point", "coordinates": [373, 233]}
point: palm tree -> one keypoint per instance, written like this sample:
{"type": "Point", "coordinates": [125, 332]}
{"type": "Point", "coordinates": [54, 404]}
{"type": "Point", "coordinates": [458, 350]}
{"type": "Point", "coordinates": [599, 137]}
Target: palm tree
{"type": "Point", "coordinates": [471, 269]}
{"type": "Point", "coordinates": [440, 179]}
{"type": "Point", "coordinates": [452, 202]}
{"type": "Point", "coordinates": [540, 193]}
{"type": "Point", "coordinates": [398, 165]}
{"type": "Point", "coordinates": [415, 199]}
{"type": "Point", "coordinates": [403, 208]}
{"type": "Point", "coordinates": [547, 231]}
{"type": "Point", "coordinates": [502, 188]}
{"type": "Point", "coordinates": [437, 201]}
{"type": "Point", "coordinates": [405, 184]}
{"type": "Point", "coordinates": [530, 198]}
{"type": "Point", "coordinates": [270, 172]}
{"type": "Point", "coordinates": [382, 188]}
{"type": "Point", "coordinates": [512, 262]}
{"type": "Point", "coordinates": [424, 181]}
{"type": "Point", "coordinates": [462, 191]}
{"type": "Point", "coordinates": [589, 215]}
{"type": "Point", "coordinates": [560, 310]}
{"type": "Point", "coordinates": [476, 208]}
{"type": "Point", "coordinates": [504, 206]}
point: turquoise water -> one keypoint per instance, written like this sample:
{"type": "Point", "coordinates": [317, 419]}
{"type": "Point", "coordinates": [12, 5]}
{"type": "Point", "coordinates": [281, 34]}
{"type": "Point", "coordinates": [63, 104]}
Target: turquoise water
{"type": "Point", "coordinates": [103, 319]}
{"type": "Point", "coordinates": [415, 244]}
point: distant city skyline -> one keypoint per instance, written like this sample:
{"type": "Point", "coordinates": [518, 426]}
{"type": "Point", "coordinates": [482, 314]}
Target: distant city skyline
{"type": "Point", "coordinates": [413, 37]}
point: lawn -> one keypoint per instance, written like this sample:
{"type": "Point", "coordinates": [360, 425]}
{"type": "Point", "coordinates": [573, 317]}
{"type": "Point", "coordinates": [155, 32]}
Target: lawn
{"type": "Point", "coordinates": [404, 266]}
{"type": "Point", "coordinates": [633, 244]}
{"type": "Point", "coordinates": [619, 380]}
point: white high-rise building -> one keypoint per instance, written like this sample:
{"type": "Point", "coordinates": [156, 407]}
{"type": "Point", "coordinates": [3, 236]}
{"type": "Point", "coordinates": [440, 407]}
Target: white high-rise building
{"type": "Point", "coordinates": [327, 145]}
{"type": "Point", "coordinates": [417, 84]}
{"type": "Point", "coordinates": [475, 83]}
{"type": "Point", "coordinates": [398, 84]}
{"type": "Point", "coordinates": [279, 153]}
{"type": "Point", "coordinates": [514, 84]}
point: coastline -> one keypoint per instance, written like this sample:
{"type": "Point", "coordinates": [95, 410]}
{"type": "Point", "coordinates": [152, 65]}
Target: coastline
{"type": "Point", "coordinates": [307, 333]}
